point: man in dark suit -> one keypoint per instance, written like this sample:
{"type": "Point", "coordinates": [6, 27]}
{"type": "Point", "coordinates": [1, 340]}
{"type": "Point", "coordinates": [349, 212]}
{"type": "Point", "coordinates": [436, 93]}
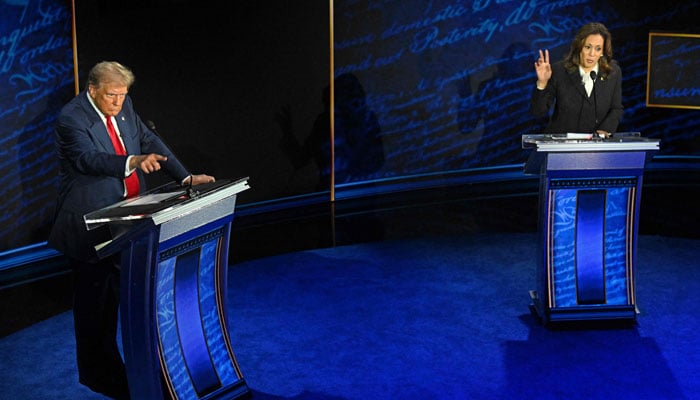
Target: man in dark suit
{"type": "Point", "coordinates": [104, 149]}
{"type": "Point", "coordinates": [585, 87]}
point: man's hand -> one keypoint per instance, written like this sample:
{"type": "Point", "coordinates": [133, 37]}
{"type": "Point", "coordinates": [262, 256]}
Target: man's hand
{"type": "Point", "coordinates": [147, 163]}
{"type": "Point", "coordinates": [198, 179]}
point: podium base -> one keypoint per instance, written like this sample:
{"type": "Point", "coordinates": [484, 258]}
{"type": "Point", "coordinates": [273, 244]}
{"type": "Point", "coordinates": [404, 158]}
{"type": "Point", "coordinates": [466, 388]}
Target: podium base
{"type": "Point", "coordinates": [582, 316]}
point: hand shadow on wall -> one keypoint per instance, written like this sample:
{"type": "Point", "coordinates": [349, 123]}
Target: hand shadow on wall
{"type": "Point", "coordinates": [359, 151]}
{"type": "Point", "coordinates": [501, 102]}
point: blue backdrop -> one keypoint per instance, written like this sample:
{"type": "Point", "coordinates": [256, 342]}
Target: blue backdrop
{"type": "Point", "coordinates": [36, 79]}
{"type": "Point", "coordinates": [423, 88]}
{"type": "Point", "coordinates": [450, 81]}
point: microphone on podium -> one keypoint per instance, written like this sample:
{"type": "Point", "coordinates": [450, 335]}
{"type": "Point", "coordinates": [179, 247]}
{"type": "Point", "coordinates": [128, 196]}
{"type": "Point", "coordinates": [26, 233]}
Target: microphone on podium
{"type": "Point", "coordinates": [191, 191]}
{"type": "Point", "coordinates": [595, 103]}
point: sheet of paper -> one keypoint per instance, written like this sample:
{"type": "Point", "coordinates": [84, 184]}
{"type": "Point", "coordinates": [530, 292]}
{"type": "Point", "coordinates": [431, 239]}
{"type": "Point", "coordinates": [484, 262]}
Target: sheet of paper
{"type": "Point", "coordinates": [579, 135]}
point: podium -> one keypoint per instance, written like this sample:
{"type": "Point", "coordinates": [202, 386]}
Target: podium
{"type": "Point", "coordinates": [589, 198]}
{"type": "Point", "coordinates": [174, 256]}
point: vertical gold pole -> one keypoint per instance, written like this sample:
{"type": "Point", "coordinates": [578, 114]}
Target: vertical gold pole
{"type": "Point", "coordinates": [75, 49]}
{"type": "Point", "coordinates": [332, 105]}
{"type": "Point", "coordinates": [332, 130]}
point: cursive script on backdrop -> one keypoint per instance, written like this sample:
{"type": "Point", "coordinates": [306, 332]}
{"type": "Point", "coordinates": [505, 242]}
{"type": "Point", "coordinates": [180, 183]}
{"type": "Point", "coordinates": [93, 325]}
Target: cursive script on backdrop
{"type": "Point", "coordinates": [36, 79]}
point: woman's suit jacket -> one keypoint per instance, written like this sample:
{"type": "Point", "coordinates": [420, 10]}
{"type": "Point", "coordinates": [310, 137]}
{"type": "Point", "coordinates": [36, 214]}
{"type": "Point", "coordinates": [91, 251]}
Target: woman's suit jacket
{"type": "Point", "coordinates": [91, 173]}
{"type": "Point", "coordinates": [573, 108]}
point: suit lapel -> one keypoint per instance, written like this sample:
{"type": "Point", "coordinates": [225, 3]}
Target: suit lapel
{"type": "Point", "coordinates": [97, 128]}
{"type": "Point", "coordinates": [99, 131]}
{"type": "Point", "coordinates": [125, 133]}
{"type": "Point", "coordinates": [601, 86]}
{"type": "Point", "coordinates": [576, 81]}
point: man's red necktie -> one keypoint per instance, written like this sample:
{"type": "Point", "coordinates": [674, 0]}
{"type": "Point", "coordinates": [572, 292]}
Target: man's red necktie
{"type": "Point", "coordinates": [131, 181]}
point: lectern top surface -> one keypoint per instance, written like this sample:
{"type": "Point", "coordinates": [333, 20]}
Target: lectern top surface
{"type": "Point", "coordinates": [579, 142]}
{"type": "Point", "coordinates": [162, 199]}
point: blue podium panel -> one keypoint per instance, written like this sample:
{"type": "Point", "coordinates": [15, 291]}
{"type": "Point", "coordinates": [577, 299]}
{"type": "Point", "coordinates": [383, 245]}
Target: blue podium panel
{"type": "Point", "coordinates": [174, 251]}
{"type": "Point", "coordinates": [194, 344]}
{"type": "Point", "coordinates": [589, 202]}
{"type": "Point", "coordinates": [588, 241]}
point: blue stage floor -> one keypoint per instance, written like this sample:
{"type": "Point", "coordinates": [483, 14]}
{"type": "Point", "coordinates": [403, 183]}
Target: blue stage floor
{"type": "Point", "coordinates": [444, 317]}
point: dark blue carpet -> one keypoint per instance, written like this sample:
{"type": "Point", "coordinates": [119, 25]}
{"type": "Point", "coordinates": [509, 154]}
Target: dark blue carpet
{"type": "Point", "coordinates": [439, 318]}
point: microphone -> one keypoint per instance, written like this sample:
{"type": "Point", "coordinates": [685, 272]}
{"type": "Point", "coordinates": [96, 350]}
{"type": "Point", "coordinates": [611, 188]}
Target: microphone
{"type": "Point", "coordinates": [595, 103]}
{"type": "Point", "coordinates": [191, 191]}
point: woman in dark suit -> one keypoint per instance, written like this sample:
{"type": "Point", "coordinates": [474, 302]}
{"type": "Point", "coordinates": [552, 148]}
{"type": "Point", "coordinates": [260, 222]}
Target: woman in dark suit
{"type": "Point", "coordinates": [585, 88]}
{"type": "Point", "coordinates": [101, 143]}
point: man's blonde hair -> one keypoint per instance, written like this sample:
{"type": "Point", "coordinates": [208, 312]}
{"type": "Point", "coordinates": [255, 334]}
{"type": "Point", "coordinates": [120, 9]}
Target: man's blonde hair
{"type": "Point", "coordinates": [110, 71]}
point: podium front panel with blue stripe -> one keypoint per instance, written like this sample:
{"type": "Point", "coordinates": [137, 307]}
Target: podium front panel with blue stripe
{"type": "Point", "coordinates": [175, 330]}
{"type": "Point", "coordinates": [590, 193]}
